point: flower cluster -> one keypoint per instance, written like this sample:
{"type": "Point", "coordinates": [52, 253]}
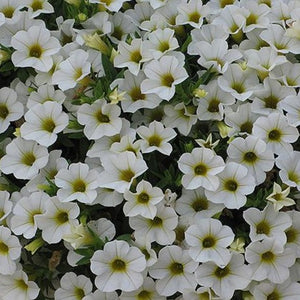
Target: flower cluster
{"type": "Point", "coordinates": [149, 149]}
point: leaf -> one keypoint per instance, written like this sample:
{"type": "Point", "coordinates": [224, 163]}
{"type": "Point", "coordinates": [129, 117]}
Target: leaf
{"type": "Point", "coordinates": [8, 66]}
{"type": "Point", "coordinates": [125, 237]}
{"type": "Point", "coordinates": [109, 69]}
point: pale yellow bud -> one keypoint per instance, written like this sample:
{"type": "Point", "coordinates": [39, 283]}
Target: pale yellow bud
{"type": "Point", "coordinates": [17, 132]}
{"type": "Point", "coordinates": [238, 245]}
{"type": "Point", "coordinates": [116, 97]}
{"type": "Point", "coordinates": [82, 17]}
{"type": "Point", "coordinates": [94, 41]}
{"type": "Point", "coordinates": [199, 93]}
{"type": "Point", "coordinates": [34, 245]}
{"type": "Point", "coordinates": [73, 2]}
{"type": "Point", "coordinates": [294, 30]}
{"type": "Point", "coordinates": [4, 56]}
{"type": "Point", "coordinates": [223, 129]}
{"type": "Point", "coordinates": [243, 65]}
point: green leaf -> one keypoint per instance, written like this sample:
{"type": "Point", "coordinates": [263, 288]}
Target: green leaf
{"type": "Point", "coordinates": [7, 66]}
{"type": "Point", "coordinates": [109, 69]}
{"type": "Point", "coordinates": [125, 237]}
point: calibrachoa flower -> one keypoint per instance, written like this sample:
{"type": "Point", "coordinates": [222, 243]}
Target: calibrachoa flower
{"type": "Point", "coordinates": [100, 119]}
{"type": "Point", "coordinates": [17, 286]}
{"type": "Point", "coordinates": [57, 220]}
{"type": "Point", "coordinates": [34, 48]}
{"type": "Point", "coordinates": [269, 260]}
{"type": "Point", "coordinates": [43, 122]}
{"type": "Point", "coordinates": [200, 168]}
{"type": "Point", "coordinates": [163, 75]}
{"type": "Point", "coordinates": [120, 170]}
{"type": "Point", "coordinates": [208, 240]}
{"type": "Point", "coordinates": [10, 251]}
{"type": "Point", "coordinates": [156, 137]}
{"type": "Point", "coordinates": [143, 201]}
{"type": "Point", "coordinates": [73, 287]}
{"type": "Point", "coordinates": [267, 223]}
{"type": "Point", "coordinates": [225, 280]}
{"type": "Point", "coordinates": [235, 184]}
{"type": "Point", "coordinates": [118, 266]}
{"type": "Point", "coordinates": [10, 108]}
{"type": "Point", "coordinates": [77, 183]}
{"type": "Point", "coordinates": [23, 158]}
{"type": "Point", "coordinates": [174, 271]}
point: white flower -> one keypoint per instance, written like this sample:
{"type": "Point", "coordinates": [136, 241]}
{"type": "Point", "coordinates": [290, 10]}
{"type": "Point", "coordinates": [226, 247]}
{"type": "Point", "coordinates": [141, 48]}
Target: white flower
{"type": "Point", "coordinates": [43, 122]}
{"type": "Point", "coordinates": [24, 158]}
{"type": "Point", "coordinates": [143, 201]}
{"type": "Point", "coordinates": [180, 116]}
{"type": "Point", "coordinates": [156, 137]}
{"type": "Point", "coordinates": [120, 170]}
{"type": "Point", "coordinates": [208, 240]}
{"type": "Point", "coordinates": [72, 71]}
{"type": "Point", "coordinates": [73, 287]}
{"type": "Point", "coordinates": [5, 205]}
{"type": "Point", "coordinates": [100, 119]}
{"type": "Point", "coordinates": [291, 104]}
{"type": "Point", "coordinates": [17, 286]}
{"type": "Point", "coordinates": [279, 197]}
{"type": "Point", "coordinates": [235, 184]}
{"type": "Point", "coordinates": [77, 183]}
{"type": "Point", "coordinates": [193, 204]}
{"type": "Point", "coordinates": [159, 229]}
{"type": "Point", "coordinates": [37, 7]}
{"type": "Point", "coordinates": [192, 12]}
{"type": "Point", "coordinates": [118, 266]}
{"type": "Point", "coordinates": [276, 132]}
{"type": "Point", "coordinates": [146, 291]}
{"type": "Point", "coordinates": [216, 54]}
{"type": "Point", "coordinates": [267, 223]}
{"type": "Point", "coordinates": [200, 168]}
{"type": "Point", "coordinates": [163, 75]}
{"type": "Point", "coordinates": [174, 271]}
{"type": "Point", "coordinates": [25, 211]}
{"type": "Point", "coordinates": [285, 291]}
{"type": "Point", "coordinates": [44, 93]}
{"type": "Point", "coordinates": [269, 260]}
{"type": "Point", "coordinates": [240, 83]}
{"type": "Point", "coordinates": [57, 220]}
{"type": "Point", "coordinates": [129, 56]}
{"type": "Point", "coordinates": [10, 251]}
{"type": "Point", "coordinates": [224, 280]}
{"type": "Point", "coordinates": [158, 43]}
{"type": "Point", "coordinates": [34, 48]}
{"type": "Point", "coordinates": [293, 232]}
{"type": "Point", "coordinates": [112, 5]}
{"type": "Point", "coordinates": [288, 163]}
{"type": "Point", "coordinates": [251, 152]}
{"type": "Point", "coordinates": [10, 108]}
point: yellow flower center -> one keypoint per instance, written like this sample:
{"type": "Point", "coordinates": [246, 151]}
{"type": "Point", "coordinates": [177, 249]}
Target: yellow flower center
{"type": "Point", "coordinates": [167, 80]}
{"type": "Point", "coordinates": [194, 17]}
{"type": "Point", "coordinates": [62, 217]}
{"type": "Point", "coordinates": [126, 175]}
{"type": "Point", "coordinates": [164, 46]}
{"type": "Point", "coordinates": [79, 186]}
{"type": "Point", "coordinates": [136, 56]}
{"type": "Point", "coordinates": [101, 118]}
{"type": "Point", "coordinates": [213, 106]}
{"type": "Point", "coordinates": [247, 127]}
{"type": "Point", "coordinates": [231, 185]}
{"type": "Point", "coordinates": [3, 111]}
{"type": "Point", "coordinates": [274, 135]}
{"type": "Point", "coordinates": [48, 125]}
{"type": "Point", "coordinates": [250, 157]}
{"type": "Point", "coordinates": [3, 248]}
{"type": "Point", "coordinates": [28, 159]}
{"type": "Point", "coordinates": [143, 198]}
{"type": "Point", "coordinates": [200, 170]}
{"type": "Point", "coordinates": [20, 283]}
{"type": "Point", "coordinates": [36, 5]}
{"type": "Point", "coordinates": [291, 235]}
{"type": "Point", "coordinates": [35, 51]}
{"type": "Point", "coordinates": [79, 293]}
{"type": "Point", "coordinates": [154, 140]}
{"type": "Point", "coordinates": [263, 228]}
{"type": "Point", "coordinates": [200, 204]}
{"type": "Point", "coordinates": [176, 268]}
{"type": "Point", "coordinates": [268, 256]}
{"type": "Point", "coordinates": [118, 265]}
{"type": "Point", "coordinates": [221, 272]}
{"type": "Point", "coordinates": [144, 295]}
{"type": "Point", "coordinates": [8, 11]}
{"type": "Point", "coordinates": [136, 94]}
{"type": "Point", "coordinates": [208, 242]}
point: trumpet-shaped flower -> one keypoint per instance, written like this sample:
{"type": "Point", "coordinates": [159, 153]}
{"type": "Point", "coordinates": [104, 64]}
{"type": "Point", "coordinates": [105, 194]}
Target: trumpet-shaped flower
{"type": "Point", "coordinates": [143, 201]}
{"type": "Point", "coordinates": [100, 119]}
{"type": "Point", "coordinates": [269, 260]}
{"type": "Point", "coordinates": [23, 220]}
{"type": "Point", "coordinates": [156, 137]}
{"type": "Point", "coordinates": [43, 122]}
{"type": "Point", "coordinates": [24, 159]}
{"type": "Point", "coordinates": [118, 266]}
{"type": "Point", "coordinates": [174, 270]}
{"type": "Point", "coordinates": [267, 223]}
{"type": "Point", "coordinates": [34, 48]}
{"type": "Point", "coordinates": [57, 220]}
{"type": "Point", "coordinates": [235, 184]}
{"type": "Point", "coordinates": [72, 71]}
{"type": "Point", "coordinates": [225, 280]}
{"type": "Point", "coordinates": [163, 75]}
{"type": "Point", "coordinates": [10, 108]}
{"type": "Point", "coordinates": [208, 240]}
{"type": "Point", "coordinates": [276, 132]}
{"type": "Point", "coordinates": [73, 287]}
{"type": "Point", "coordinates": [120, 170]}
{"type": "Point", "coordinates": [200, 168]}
{"type": "Point", "coordinates": [77, 183]}
{"type": "Point", "coordinates": [17, 286]}
{"type": "Point", "coordinates": [251, 152]}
